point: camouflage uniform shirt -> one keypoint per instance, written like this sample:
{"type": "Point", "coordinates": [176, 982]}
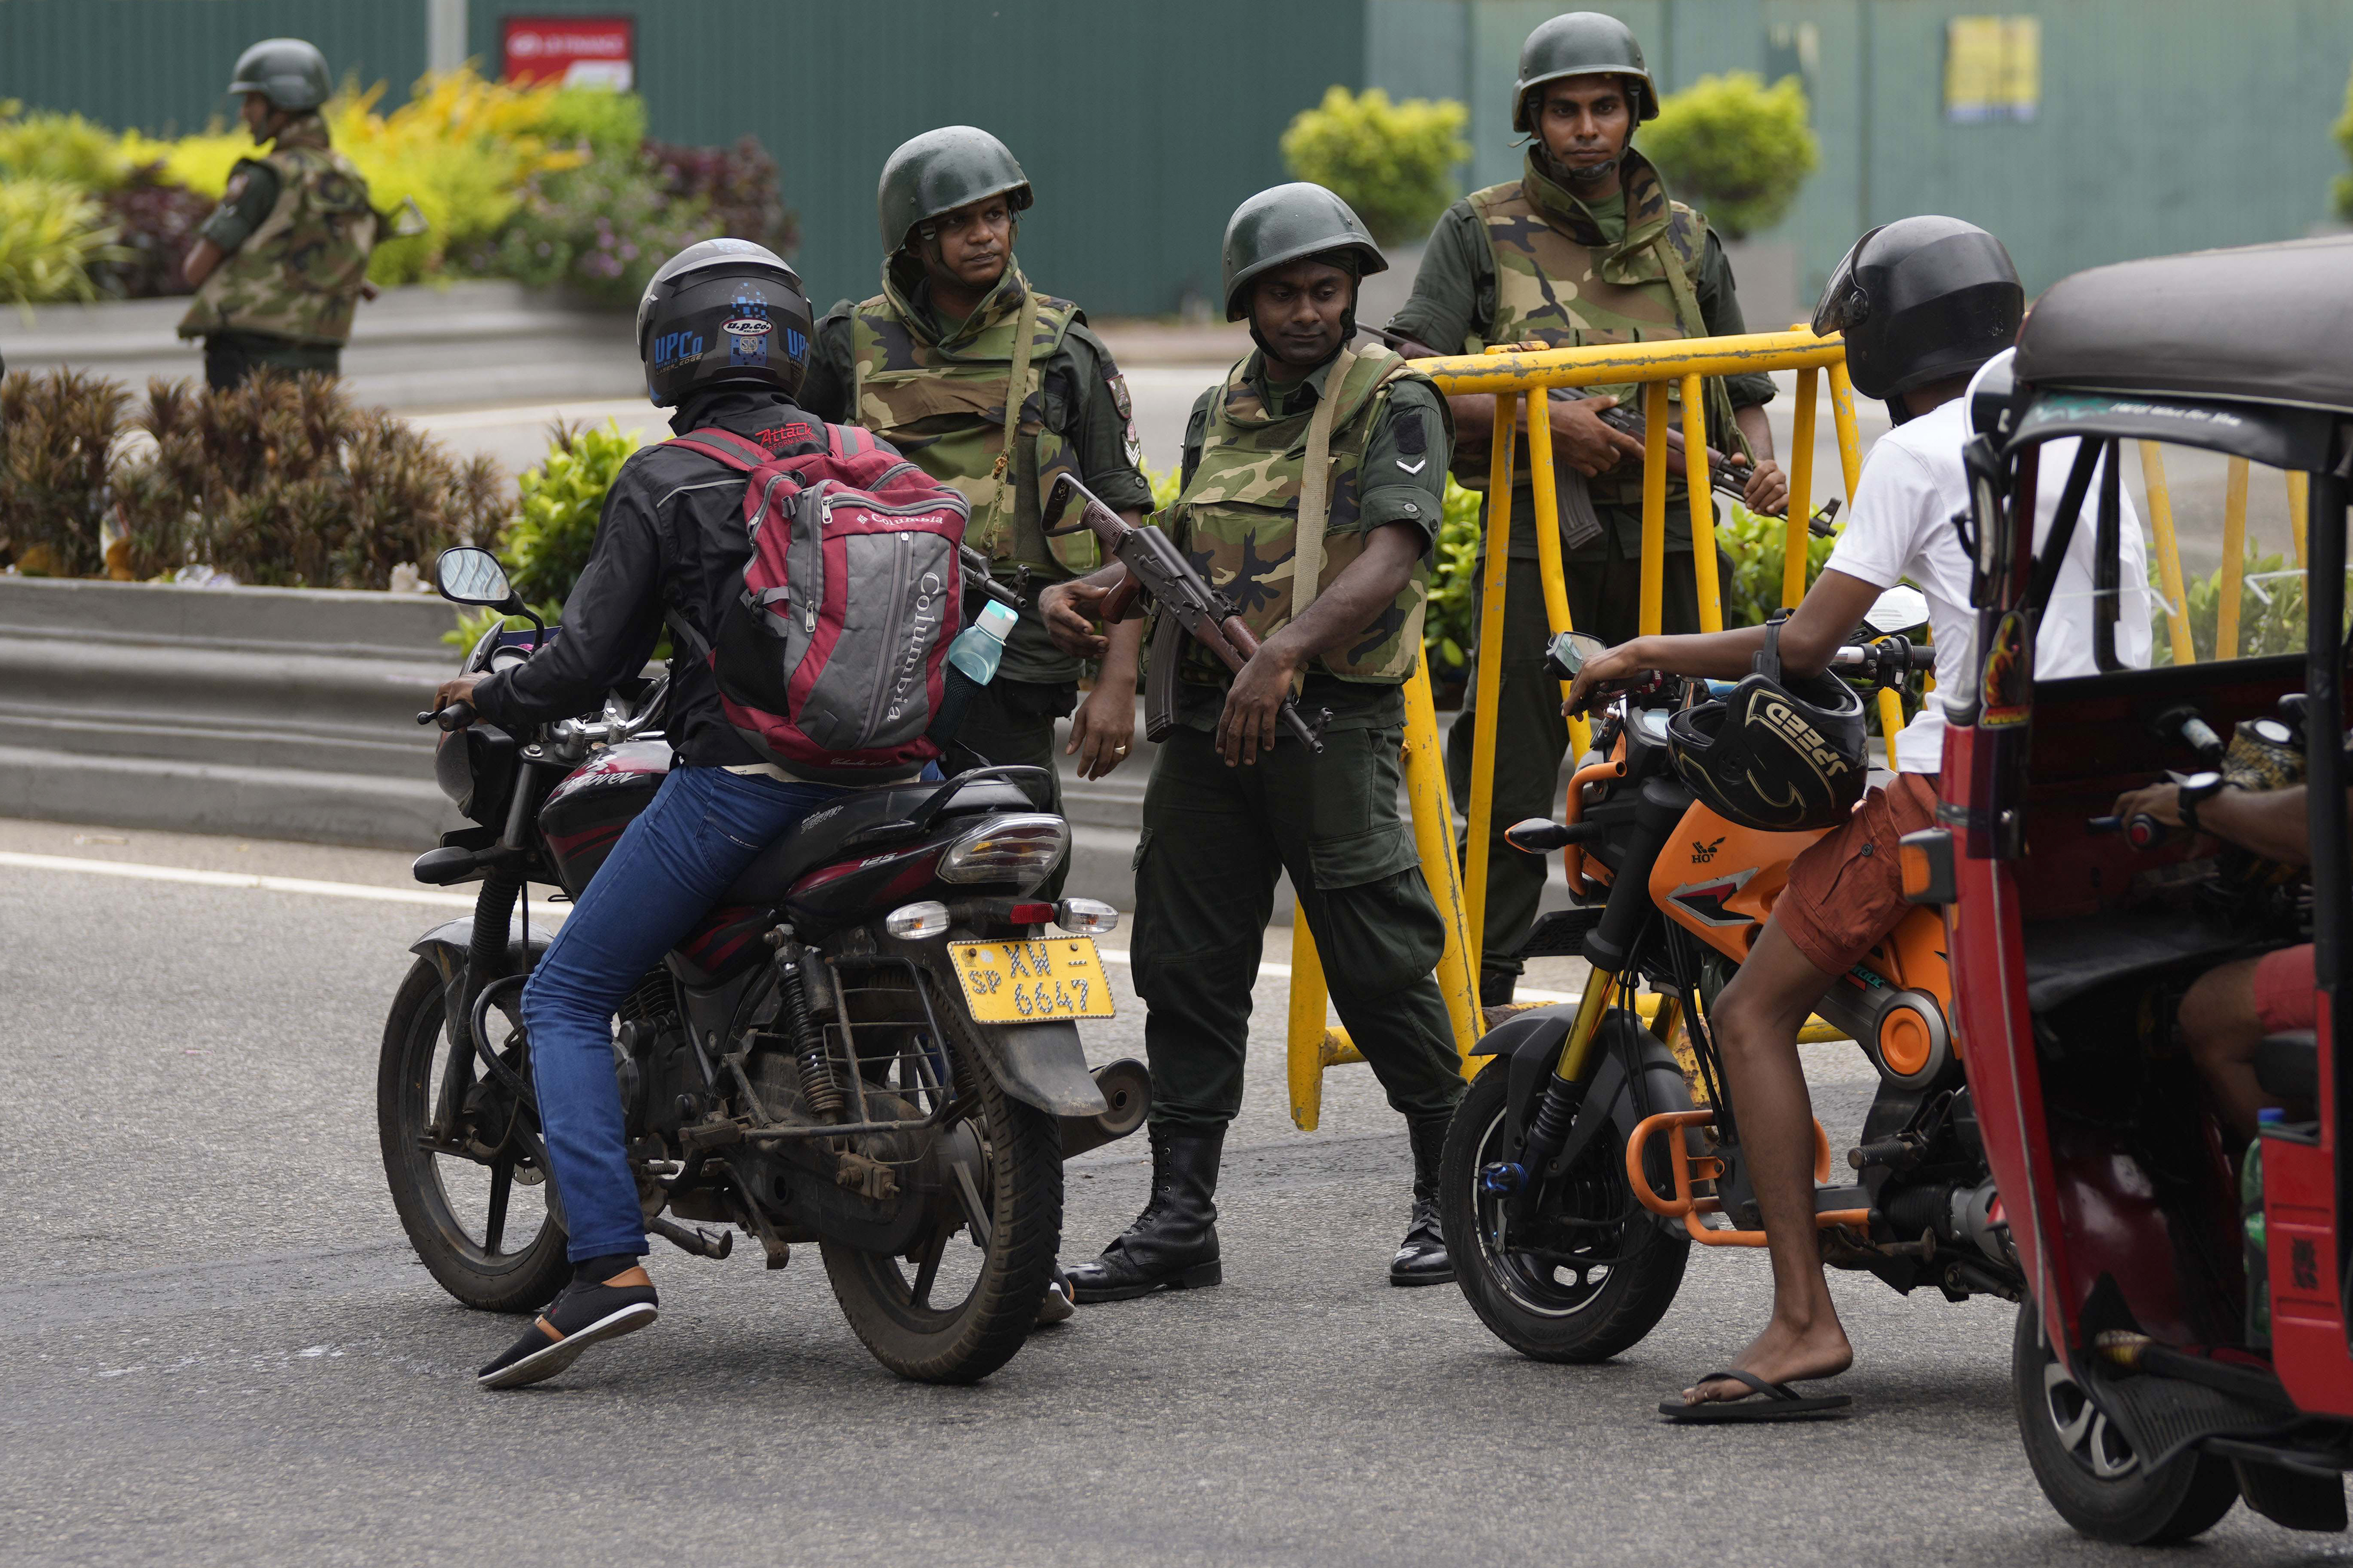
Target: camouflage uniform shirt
{"type": "Point", "coordinates": [1086, 402]}
{"type": "Point", "coordinates": [1454, 299]}
{"type": "Point", "coordinates": [1395, 491]}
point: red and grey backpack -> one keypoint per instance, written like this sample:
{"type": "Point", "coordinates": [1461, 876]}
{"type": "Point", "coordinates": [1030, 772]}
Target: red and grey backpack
{"type": "Point", "coordinates": [831, 661]}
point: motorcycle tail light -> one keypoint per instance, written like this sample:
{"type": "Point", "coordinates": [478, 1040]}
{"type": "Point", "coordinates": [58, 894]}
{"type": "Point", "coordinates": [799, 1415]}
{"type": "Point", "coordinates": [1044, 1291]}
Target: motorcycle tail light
{"type": "Point", "coordinates": [1018, 850]}
{"type": "Point", "coordinates": [1087, 916]}
{"type": "Point", "coordinates": [1031, 914]}
{"type": "Point", "coordinates": [910, 922]}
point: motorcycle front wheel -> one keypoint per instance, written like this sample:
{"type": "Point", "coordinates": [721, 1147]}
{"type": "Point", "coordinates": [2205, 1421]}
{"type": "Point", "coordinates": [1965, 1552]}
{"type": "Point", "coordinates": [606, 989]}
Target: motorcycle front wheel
{"type": "Point", "coordinates": [1593, 1274]}
{"type": "Point", "coordinates": [473, 1206]}
{"type": "Point", "coordinates": [959, 1302]}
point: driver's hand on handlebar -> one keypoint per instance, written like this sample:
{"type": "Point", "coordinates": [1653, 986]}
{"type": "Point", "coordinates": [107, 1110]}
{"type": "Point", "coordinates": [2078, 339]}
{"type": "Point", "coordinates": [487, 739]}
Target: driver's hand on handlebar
{"type": "Point", "coordinates": [1070, 611]}
{"type": "Point", "coordinates": [2162, 802]}
{"type": "Point", "coordinates": [458, 688]}
{"type": "Point", "coordinates": [1601, 673]}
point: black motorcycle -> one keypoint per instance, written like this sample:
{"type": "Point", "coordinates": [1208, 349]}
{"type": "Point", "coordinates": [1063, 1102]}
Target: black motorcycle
{"type": "Point", "coordinates": [870, 1043]}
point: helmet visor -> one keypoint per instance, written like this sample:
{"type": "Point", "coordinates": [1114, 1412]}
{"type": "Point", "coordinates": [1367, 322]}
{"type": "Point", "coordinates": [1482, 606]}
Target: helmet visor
{"type": "Point", "coordinates": [1843, 302]}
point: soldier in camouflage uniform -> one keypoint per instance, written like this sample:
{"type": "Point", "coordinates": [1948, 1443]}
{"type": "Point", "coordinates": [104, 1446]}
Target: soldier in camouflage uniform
{"type": "Point", "coordinates": [927, 363]}
{"type": "Point", "coordinates": [281, 265]}
{"type": "Point", "coordinates": [1584, 248]}
{"type": "Point", "coordinates": [1313, 480]}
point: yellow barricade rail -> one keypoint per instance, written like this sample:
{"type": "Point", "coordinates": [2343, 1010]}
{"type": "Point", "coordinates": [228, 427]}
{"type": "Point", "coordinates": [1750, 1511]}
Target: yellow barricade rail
{"type": "Point", "coordinates": [1511, 375]}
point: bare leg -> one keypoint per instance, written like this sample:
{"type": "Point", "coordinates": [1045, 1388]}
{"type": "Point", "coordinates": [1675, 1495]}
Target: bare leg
{"type": "Point", "coordinates": [1756, 1022]}
{"type": "Point", "coordinates": [2219, 1026]}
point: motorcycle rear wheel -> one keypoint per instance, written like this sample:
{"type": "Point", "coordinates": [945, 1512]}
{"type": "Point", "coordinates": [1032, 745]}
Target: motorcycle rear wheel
{"type": "Point", "coordinates": [2087, 1469]}
{"type": "Point", "coordinates": [887, 1297]}
{"type": "Point", "coordinates": [463, 1215]}
{"type": "Point", "coordinates": [1619, 1285]}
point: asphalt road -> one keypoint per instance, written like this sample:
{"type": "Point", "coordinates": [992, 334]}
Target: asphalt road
{"type": "Point", "coordinates": [217, 1348]}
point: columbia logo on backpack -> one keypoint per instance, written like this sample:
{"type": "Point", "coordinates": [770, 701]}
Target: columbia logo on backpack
{"type": "Point", "coordinates": [832, 660]}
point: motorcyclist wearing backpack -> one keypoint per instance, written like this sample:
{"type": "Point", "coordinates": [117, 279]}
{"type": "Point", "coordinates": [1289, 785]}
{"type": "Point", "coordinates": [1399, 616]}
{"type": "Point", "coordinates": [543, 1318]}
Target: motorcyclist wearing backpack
{"type": "Point", "coordinates": [671, 538]}
{"type": "Point", "coordinates": [926, 364]}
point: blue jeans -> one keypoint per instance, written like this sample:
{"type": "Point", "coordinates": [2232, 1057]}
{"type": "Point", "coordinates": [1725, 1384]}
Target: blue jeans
{"type": "Point", "coordinates": [704, 826]}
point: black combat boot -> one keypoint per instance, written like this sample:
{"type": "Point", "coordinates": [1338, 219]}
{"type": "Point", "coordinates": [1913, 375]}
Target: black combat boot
{"type": "Point", "coordinates": [1496, 986]}
{"type": "Point", "coordinates": [1422, 1259]}
{"type": "Point", "coordinates": [1174, 1242]}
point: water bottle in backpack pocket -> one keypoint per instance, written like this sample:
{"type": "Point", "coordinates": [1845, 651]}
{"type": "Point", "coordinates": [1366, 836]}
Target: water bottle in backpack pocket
{"type": "Point", "coordinates": [831, 661]}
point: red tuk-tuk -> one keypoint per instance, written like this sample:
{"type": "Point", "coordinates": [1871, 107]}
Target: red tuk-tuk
{"type": "Point", "coordinates": [2155, 1385]}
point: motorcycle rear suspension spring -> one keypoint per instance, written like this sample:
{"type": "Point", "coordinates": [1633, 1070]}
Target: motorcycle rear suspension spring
{"type": "Point", "coordinates": [820, 1090]}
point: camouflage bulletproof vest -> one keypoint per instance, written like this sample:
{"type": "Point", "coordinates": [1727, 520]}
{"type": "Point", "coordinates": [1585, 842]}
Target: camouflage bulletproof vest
{"type": "Point", "coordinates": [943, 404]}
{"type": "Point", "coordinates": [298, 274]}
{"type": "Point", "coordinates": [1237, 518]}
{"type": "Point", "coordinates": [1558, 283]}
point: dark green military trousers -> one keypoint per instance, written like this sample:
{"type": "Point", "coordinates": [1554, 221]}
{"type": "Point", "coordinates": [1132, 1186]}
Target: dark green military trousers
{"type": "Point", "coordinates": [1605, 599]}
{"type": "Point", "coordinates": [1010, 724]}
{"type": "Point", "coordinates": [1215, 839]}
{"type": "Point", "coordinates": [231, 357]}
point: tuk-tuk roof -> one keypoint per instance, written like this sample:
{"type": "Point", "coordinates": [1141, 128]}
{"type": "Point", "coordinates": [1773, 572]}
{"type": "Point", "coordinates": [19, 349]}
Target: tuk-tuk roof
{"type": "Point", "coordinates": [2265, 323]}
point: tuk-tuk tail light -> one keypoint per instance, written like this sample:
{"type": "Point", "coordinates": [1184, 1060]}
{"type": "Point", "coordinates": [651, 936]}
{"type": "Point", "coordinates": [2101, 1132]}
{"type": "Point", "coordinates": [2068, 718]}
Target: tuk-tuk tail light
{"type": "Point", "coordinates": [1927, 860]}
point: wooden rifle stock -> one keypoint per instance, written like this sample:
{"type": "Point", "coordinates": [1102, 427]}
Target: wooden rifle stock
{"type": "Point", "coordinates": [1157, 569]}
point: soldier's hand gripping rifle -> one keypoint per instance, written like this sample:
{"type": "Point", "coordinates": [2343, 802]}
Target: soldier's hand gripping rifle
{"type": "Point", "coordinates": [1158, 571]}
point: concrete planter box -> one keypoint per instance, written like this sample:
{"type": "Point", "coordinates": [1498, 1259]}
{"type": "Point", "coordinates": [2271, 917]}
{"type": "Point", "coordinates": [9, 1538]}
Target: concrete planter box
{"type": "Point", "coordinates": [285, 712]}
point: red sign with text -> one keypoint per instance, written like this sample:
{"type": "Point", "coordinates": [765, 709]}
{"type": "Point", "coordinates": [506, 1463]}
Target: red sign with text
{"type": "Point", "coordinates": [599, 51]}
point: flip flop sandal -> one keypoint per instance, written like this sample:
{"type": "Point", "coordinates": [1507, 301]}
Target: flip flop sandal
{"type": "Point", "coordinates": [1774, 1401]}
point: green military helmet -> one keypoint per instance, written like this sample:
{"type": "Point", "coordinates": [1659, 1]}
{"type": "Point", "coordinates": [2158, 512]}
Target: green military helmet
{"type": "Point", "coordinates": [291, 74]}
{"type": "Point", "coordinates": [1284, 223]}
{"type": "Point", "coordinates": [1581, 43]}
{"type": "Point", "coordinates": [941, 171]}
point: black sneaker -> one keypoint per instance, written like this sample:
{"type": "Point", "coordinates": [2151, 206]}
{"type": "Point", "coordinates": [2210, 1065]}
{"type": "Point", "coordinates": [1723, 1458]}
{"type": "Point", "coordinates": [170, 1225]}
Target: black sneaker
{"type": "Point", "coordinates": [582, 1315]}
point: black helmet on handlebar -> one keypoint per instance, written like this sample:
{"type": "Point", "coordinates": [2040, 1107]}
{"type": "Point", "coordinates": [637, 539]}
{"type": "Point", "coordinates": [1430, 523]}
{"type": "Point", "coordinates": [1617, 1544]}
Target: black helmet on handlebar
{"type": "Point", "coordinates": [1777, 755]}
{"type": "Point", "coordinates": [1921, 299]}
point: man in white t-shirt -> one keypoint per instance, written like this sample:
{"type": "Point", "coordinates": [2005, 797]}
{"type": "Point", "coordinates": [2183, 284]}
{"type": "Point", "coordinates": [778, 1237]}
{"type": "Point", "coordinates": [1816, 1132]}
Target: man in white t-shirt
{"type": "Point", "coordinates": [1924, 303]}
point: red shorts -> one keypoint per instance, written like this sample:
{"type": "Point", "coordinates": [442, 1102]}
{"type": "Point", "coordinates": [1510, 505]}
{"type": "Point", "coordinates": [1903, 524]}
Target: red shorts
{"type": "Point", "coordinates": [2284, 999]}
{"type": "Point", "coordinates": [1846, 889]}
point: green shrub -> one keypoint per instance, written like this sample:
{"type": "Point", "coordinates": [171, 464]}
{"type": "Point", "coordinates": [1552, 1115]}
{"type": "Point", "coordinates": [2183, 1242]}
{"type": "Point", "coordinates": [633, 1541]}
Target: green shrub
{"type": "Point", "coordinates": [2272, 617]}
{"type": "Point", "coordinates": [1394, 164]}
{"type": "Point", "coordinates": [1448, 631]}
{"type": "Point", "coordinates": [1757, 546]}
{"type": "Point", "coordinates": [48, 146]}
{"type": "Point", "coordinates": [51, 234]}
{"type": "Point", "coordinates": [1736, 147]}
{"type": "Point", "coordinates": [606, 120]}
{"type": "Point", "coordinates": [2344, 134]}
{"type": "Point", "coordinates": [546, 542]}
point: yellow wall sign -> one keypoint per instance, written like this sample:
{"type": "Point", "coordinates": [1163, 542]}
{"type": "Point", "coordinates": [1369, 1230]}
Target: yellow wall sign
{"type": "Point", "coordinates": [1993, 67]}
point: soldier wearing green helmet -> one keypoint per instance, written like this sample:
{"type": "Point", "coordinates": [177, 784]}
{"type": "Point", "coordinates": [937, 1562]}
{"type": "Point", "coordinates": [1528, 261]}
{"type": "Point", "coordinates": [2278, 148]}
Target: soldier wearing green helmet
{"type": "Point", "coordinates": [282, 263]}
{"type": "Point", "coordinates": [927, 365]}
{"type": "Point", "coordinates": [1585, 248]}
{"type": "Point", "coordinates": [1314, 475]}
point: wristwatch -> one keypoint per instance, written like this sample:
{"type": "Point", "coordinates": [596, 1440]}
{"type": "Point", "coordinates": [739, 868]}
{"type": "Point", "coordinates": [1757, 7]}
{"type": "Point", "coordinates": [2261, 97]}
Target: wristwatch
{"type": "Point", "coordinates": [2194, 792]}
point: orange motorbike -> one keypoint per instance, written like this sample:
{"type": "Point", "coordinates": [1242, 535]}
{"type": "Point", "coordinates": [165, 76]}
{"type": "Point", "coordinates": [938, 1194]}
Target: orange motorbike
{"type": "Point", "coordinates": [1579, 1173]}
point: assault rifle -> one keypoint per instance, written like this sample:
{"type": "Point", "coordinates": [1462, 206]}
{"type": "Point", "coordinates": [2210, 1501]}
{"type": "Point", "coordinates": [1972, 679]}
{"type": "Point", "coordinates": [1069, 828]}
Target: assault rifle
{"type": "Point", "coordinates": [1580, 525]}
{"type": "Point", "coordinates": [1157, 570]}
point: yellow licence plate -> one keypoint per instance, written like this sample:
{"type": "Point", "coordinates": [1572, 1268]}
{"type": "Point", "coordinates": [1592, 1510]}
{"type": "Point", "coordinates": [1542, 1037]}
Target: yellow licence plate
{"type": "Point", "coordinates": [1032, 982]}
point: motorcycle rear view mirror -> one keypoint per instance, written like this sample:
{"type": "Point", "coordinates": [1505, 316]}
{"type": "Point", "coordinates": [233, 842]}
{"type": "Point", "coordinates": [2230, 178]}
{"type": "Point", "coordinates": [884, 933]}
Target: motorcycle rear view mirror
{"type": "Point", "coordinates": [1900, 609]}
{"type": "Point", "coordinates": [1569, 653]}
{"type": "Point", "coordinates": [469, 575]}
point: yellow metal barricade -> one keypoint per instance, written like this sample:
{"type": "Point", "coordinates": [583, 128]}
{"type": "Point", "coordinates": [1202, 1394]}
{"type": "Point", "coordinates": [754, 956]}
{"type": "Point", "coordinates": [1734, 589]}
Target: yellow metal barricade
{"type": "Point", "coordinates": [1513, 376]}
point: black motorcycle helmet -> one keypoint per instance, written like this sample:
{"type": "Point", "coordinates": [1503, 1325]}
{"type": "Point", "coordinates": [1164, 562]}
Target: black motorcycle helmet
{"type": "Point", "coordinates": [1777, 755]}
{"type": "Point", "coordinates": [724, 313]}
{"type": "Point", "coordinates": [1921, 299]}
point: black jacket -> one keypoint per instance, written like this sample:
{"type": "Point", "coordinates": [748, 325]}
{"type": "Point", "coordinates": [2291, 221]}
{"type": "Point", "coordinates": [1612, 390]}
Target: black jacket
{"type": "Point", "coordinates": [671, 535]}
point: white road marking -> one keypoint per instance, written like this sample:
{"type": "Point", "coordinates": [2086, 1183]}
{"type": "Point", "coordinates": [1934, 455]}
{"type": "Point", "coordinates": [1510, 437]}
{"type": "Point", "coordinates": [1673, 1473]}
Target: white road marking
{"type": "Point", "coordinates": [184, 874]}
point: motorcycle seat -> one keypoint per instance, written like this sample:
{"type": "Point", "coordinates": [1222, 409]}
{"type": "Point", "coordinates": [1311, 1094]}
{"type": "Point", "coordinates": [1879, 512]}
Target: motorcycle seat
{"type": "Point", "coordinates": [825, 834]}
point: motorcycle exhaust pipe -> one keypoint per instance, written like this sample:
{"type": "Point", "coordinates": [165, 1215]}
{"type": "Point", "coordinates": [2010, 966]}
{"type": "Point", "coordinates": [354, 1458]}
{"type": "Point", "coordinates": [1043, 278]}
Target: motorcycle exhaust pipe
{"type": "Point", "coordinates": [1126, 1088]}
